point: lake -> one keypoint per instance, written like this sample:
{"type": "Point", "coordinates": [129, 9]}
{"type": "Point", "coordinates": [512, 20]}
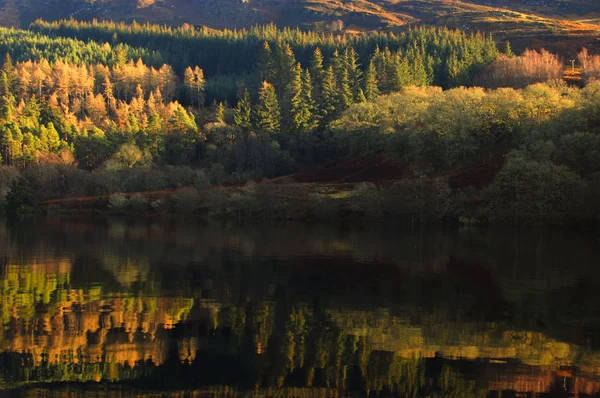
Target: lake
{"type": "Point", "coordinates": [119, 307]}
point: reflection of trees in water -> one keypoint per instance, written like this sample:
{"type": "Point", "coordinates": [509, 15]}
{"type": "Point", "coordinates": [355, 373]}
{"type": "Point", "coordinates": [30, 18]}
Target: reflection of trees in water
{"type": "Point", "coordinates": [214, 309]}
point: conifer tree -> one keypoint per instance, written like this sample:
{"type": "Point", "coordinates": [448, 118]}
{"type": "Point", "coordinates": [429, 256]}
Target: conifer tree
{"type": "Point", "coordinates": [265, 63]}
{"type": "Point", "coordinates": [308, 100]}
{"type": "Point", "coordinates": [299, 113]}
{"type": "Point", "coordinates": [8, 102]}
{"type": "Point", "coordinates": [508, 50]}
{"type": "Point", "coordinates": [371, 91]}
{"type": "Point", "coordinates": [242, 115]}
{"type": "Point", "coordinates": [327, 106]}
{"type": "Point", "coordinates": [194, 80]}
{"type": "Point", "coordinates": [355, 73]}
{"type": "Point", "coordinates": [268, 114]}
{"type": "Point", "coordinates": [317, 71]}
{"type": "Point", "coordinates": [8, 68]}
{"type": "Point", "coordinates": [220, 113]}
{"type": "Point", "coordinates": [345, 97]}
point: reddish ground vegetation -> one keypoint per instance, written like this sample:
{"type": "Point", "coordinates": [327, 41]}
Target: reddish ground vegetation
{"type": "Point", "coordinates": [478, 176]}
{"type": "Point", "coordinates": [332, 177]}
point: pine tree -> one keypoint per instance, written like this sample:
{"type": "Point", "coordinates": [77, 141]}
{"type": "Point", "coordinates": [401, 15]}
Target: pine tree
{"type": "Point", "coordinates": [194, 80]}
{"type": "Point", "coordinates": [317, 72]}
{"type": "Point", "coordinates": [345, 97]}
{"type": "Point", "coordinates": [361, 96]}
{"type": "Point", "coordinates": [8, 68]}
{"type": "Point", "coordinates": [371, 85]}
{"type": "Point", "coordinates": [8, 102]}
{"type": "Point", "coordinates": [265, 63]}
{"type": "Point", "coordinates": [355, 73]}
{"type": "Point", "coordinates": [268, 114]}
{"type": "Point", "coordinates": [242, 115]}
{"type": "Point", "coordinates": [298, 116]}
{"type": "Point", "coordinates": [327, 106]}
{"type": "Point", "coordinates": [508, 50]}
{"type": "Point", "coordinates": [309, 102]}
{"type": "Point", "coordinates": [220, 113]}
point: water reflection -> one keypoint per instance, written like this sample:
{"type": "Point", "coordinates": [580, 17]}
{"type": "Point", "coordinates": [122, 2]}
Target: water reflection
{"type": "Point", "coordinates": [296, 310]}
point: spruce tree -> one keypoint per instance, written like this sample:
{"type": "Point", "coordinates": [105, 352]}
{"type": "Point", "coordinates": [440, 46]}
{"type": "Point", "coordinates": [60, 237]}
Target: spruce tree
{"type": "Point", "coordinates": [308, 100]}
{"type": "Point", "coordinates": [299, 114]}
{"type": "Point", "coordinates": [242, 115]}
{"type": "Point", "coordinates": [508, 50]}
{"type": "Point", "coordinates": [317, 72]}
{"type": "Point", "coordinates": [345, 96]}
{"type": "Point", "coordinates": [265, 63]}
{"type": "Point", "coordinates": [267, 113]}
{"type": "Point", "coordinates": [327, 106]}
{"type": "Point", "coordinates": [371, 91]}
{"type": "Point", "coordinates": [8, 102]}
{"type": "Point", "coordinates": [355, 73]}
{"type": "Point", "coordinates": [220, 113]}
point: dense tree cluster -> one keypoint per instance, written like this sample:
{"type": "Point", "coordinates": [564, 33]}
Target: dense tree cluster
{"type": "Point", "coordinates": [26, 45]}
{"type": "Point", "coordinates": [88, 99]}
{"type": "Point", "coordinates": [518, 72]}
{"type": "Point", "coordinates": [590, 66]}
{"type": "Point", "coordinates": [454, 55]}
{"type": "Point", "coordinates": [249, 104]}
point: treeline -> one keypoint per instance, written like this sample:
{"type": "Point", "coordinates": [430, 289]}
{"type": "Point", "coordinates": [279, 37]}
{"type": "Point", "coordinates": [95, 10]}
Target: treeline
{"type": "Point", "coordinates": [24, 45]}
{"type": "Point", "coordinates": [513, 71]}
{"type": "Point", "coordinates": [455, 56]}
{"type": "Point", "coordinates": [91, 110]}
{"type": "Point", "coordinates": [548, 136]}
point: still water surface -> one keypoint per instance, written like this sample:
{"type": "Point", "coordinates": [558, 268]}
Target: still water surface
{"type": "Point", "coordinates": [114, 307]}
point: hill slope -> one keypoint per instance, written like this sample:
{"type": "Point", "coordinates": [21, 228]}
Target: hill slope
{"type": "Point", "coordinates": [560, 25]}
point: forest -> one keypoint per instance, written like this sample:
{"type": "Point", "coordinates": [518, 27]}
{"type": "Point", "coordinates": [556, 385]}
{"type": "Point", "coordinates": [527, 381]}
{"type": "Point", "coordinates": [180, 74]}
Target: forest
{"type": "Point", "coordinates": [101, 108]}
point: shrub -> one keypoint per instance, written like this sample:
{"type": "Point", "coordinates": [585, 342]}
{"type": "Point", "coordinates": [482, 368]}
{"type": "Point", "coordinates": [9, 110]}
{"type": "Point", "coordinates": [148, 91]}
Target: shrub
{"type": "Point", "coordinates": [118, 202]}
{"type": "Point", "coordinates": [138, 203]}
{"type": "Point", "coordinates": [187, 200]}
{"type": "Point", "coordinates": [241, 206]}
{"type": "Point", "coordinates": [19, 198]}
{"type": "Point", "coordinates": [365, 199]}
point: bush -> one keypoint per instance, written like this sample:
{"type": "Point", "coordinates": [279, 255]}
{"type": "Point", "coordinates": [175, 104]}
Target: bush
{"type": "Point", "coordinates": [537, 190]}
{"type": "Point", "coordinates": [138, 203]}
{"type": "Point", "coordinates": [19, 199]}
{"type": "Point", "coordinates": [365, 199]}
{"type": "Point", "coordinates": [187, 200]}
{"type": "Point", "coordinates": [118, 202]}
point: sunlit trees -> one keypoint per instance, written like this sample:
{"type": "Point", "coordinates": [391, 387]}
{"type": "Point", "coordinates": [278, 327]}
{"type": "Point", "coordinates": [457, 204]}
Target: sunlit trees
{"type": "Point", "coordinates": [267, 113]}
{"type": "Point", "coordinates": [531, 67]}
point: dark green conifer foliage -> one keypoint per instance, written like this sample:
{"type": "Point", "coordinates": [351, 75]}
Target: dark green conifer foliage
{"type": "Point", "coordinates": [317, 71]}
{"type": "Point", "coordinates": [371, 91]}
{"type": "Point", "coordinates": [299, 111]}
{"type": "Point", "coordinates": [508, 49]}
{"type": "Point", "coordinates": [242, 115]}
{"type": "Point", "coordinates": [266, 64]}
{"type": "Point", "coordinates": [355, 73]}
{"type": "Point", "coordinates": [268, 114]}
{"type": "Point", "coordinates": [309, 102]}
{"type": "Point", "coordinates": [329, 95]}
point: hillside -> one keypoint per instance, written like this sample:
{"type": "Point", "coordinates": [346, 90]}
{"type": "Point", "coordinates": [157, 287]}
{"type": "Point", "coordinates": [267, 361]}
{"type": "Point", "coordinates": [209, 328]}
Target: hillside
{"type": "Point", "coordinates": [559, 25]}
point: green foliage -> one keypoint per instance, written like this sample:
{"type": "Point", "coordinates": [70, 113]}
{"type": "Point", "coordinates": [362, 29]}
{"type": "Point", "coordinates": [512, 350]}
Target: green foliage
{"type": "Point", "coordinates": [537, 190]}
{"type": "Point", "coordinates": [19, 198]}
{"type": "Point", "coordinates": [268, 114]}
{"type": "Point", "coordinates": [118, 202]}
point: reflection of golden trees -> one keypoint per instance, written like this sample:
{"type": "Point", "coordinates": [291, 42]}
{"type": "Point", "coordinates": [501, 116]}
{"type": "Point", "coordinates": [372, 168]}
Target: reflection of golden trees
{"type": "Point", "coordinates": [105, 332]}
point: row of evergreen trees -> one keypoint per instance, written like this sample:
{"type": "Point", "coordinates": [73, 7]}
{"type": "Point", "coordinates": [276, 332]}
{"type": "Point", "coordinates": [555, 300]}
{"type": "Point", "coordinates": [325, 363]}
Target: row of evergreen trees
{"type": "Point", "coordinates": [455, 56]}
